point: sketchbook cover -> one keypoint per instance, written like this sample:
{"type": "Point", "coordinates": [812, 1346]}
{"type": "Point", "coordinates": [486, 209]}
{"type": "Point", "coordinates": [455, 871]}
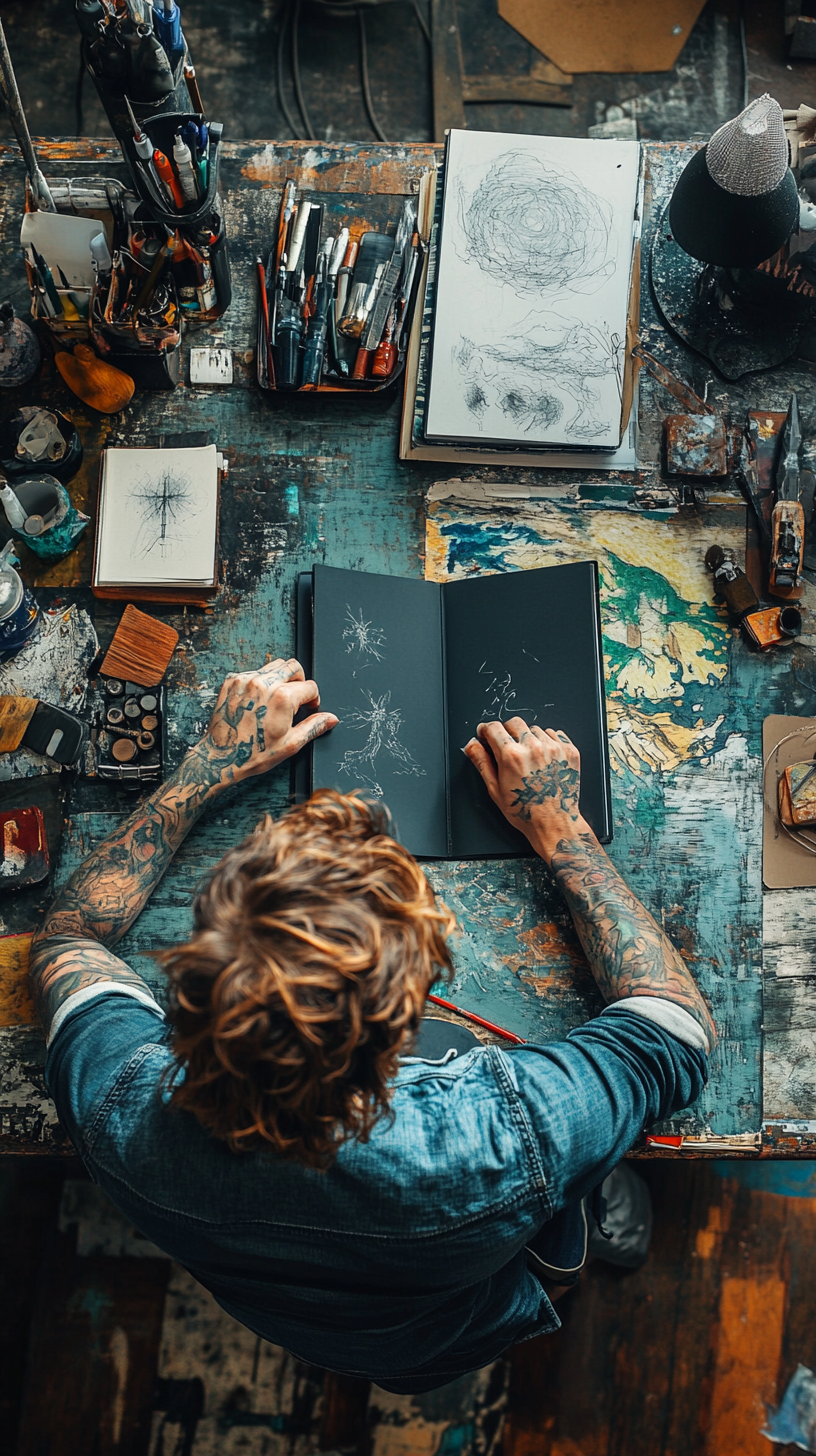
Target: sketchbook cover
{"type": "Point", "coordinates": [411, 668]}
{"type": "Point", "coordinates": [532, 291]}
{"type": "Point", "coordinates": [158, 518]}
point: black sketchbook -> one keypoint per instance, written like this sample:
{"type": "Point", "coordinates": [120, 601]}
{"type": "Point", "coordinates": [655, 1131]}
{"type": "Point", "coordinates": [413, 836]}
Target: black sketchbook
{"type": "Point", "coordinates": [411, 667]}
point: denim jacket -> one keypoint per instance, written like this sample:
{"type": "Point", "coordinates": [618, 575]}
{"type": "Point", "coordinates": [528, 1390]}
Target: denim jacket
{"type": "Point", "coordinates": [405, 1261]}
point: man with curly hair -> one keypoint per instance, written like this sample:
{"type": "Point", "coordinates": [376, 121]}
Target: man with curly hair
{"type": "Point", "coordinates": [282, 1130]}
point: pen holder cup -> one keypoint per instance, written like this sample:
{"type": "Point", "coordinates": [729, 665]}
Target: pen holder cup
{"type": "Point", "coordinates": [199, 223]}
{"type": "Point", "coordinates": [98, 197]}
{"type": "Point", "coordinates": [151, 356]}
{"type": "Point", "coordinates": [112, 97]}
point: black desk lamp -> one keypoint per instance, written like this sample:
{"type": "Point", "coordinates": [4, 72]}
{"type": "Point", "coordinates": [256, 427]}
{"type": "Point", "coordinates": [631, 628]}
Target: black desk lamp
{"type": "Point", "coordinates": [734, 206]}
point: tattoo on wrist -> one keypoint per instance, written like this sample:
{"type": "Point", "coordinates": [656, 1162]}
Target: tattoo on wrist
{"type": "Point", "coordinates": [628, 952]}
{"type": "Point", "coordinates": [556, 782]}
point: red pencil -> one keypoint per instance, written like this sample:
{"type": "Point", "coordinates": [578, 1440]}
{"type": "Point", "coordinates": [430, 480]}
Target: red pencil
{"type": "Point", "coordinates": [480, 1021]}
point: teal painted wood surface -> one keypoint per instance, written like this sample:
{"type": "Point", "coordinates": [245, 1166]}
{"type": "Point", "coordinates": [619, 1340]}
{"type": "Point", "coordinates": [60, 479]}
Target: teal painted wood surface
{"type": "Point", "coordinates": [319, 480]}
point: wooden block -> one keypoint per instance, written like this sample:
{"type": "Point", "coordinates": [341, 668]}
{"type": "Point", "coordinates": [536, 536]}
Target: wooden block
{"type": "Point", "coordinates": [141, 649]}
{"type": "Point", "coordinates": [15, 716]}
{"type": "Point", "coordinates": [16, 1005]}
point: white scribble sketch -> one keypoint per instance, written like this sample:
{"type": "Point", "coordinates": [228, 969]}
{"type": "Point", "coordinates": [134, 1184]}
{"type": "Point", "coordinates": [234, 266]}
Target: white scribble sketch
{"type": "Point", "coordinates": [500, 697]}
{"type": "Point", "coordinates": [383, 724]}
{"type": "Point", "coordinates": [548, 373]}
{"type": "Point", "coordinates": [166, 503]}
{"type": "Point", "coordinates": [363, 636]}
{"type": "Point", "coordinates": [537, 227]}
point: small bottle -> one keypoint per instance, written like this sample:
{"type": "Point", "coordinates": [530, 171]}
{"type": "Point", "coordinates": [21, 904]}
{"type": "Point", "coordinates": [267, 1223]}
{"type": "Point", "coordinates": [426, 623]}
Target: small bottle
{"type": "Point", "coordinates": [183, 158]}
{"type": "Point", "coordinates": [19, 612]}
{"type": "Point", "coordinates": [19, 351]}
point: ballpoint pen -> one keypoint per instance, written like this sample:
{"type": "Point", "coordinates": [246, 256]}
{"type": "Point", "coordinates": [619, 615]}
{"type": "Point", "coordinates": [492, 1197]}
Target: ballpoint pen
{"type": "Point", "coordinates": [318, 322]}
{"type": "Point", "coordinates": [168, 177]}
{"type": "Point", "coordinates": [290, 332]}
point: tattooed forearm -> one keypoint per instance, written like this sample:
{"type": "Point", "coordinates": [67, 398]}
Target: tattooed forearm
{"type": "Point", "coordinates": [628, 952]}
{"type": "Point", "coordinates": [104, 896]}
{"type": "Point", "coordinates": [62, 965]}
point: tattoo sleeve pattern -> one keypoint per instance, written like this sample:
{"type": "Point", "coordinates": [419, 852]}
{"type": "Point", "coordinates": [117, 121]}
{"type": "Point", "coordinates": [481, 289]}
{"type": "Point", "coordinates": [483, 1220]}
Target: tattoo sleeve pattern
{"type": "Point", "coordinates": [628, 952]}
{"type": "Point", "coordinates": [105, 895]}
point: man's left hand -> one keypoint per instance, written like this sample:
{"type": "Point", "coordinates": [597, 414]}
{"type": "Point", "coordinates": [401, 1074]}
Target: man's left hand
{"type": "Point", "coordinates": [253, 729]}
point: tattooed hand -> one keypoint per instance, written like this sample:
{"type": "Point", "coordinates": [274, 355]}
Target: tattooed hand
{"type": "Point", "coordinates": [252, 727]}
{"type": "Point", "coordinates": [534, 775]}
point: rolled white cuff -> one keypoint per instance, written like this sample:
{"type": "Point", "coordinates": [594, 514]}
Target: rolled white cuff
{"type": "Point", "coordinates": [73, 1002]}
{"type": "Point", "coordinates": [668, 1014]}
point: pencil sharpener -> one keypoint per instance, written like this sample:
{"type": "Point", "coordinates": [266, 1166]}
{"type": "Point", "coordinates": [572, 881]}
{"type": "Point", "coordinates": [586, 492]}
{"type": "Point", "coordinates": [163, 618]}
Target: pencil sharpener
{"type": "Point", "coordinates": [130, 735]}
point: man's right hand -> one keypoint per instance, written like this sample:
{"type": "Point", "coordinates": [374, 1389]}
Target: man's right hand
{"type": "Point", "coordinates": [252, 728]}
{"type": "Point", "coordinates": [533, 775]}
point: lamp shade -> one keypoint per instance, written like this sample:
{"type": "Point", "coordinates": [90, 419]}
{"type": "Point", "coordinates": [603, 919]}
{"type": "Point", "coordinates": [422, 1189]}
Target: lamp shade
{"type": "Point", "coordinates": [736, 201]}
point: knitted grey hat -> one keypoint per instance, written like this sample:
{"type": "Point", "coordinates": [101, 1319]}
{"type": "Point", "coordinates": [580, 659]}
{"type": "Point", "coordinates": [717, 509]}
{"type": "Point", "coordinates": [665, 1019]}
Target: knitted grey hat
{"type": "Point", "coordinates": [749, 155]}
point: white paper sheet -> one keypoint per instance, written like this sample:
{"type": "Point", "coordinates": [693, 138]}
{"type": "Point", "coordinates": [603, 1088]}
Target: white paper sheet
{"type": "Point", "coordinates": [65, 243]}
{"type": "Point", "coordinates": [158, 517]}
{"type": "Point", "coordinates": [532, 290]}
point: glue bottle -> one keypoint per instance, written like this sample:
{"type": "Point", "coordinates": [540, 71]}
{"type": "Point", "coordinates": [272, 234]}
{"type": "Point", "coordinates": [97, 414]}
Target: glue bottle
{"type": "Point", "coordinates": [183, 158]}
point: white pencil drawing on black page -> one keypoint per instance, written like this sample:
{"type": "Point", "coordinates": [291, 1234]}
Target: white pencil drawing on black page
{"type": "Point", "coordinates": [547, 374]}
{"type": "Point", "coordinates": [362, 636]}
{"type": "Point", "coordinates": [537, 227]}
{"type": "Point", "coordinates": [167, 503]}
{"type": "Point", "coordinates": [383, 724]}
{"type": "Point", "coordinates": [500, 697]}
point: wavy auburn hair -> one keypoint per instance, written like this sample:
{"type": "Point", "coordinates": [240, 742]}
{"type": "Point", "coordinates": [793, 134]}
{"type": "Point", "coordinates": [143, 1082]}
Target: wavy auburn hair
{"type": "Point", "coordinates": [315, 944]}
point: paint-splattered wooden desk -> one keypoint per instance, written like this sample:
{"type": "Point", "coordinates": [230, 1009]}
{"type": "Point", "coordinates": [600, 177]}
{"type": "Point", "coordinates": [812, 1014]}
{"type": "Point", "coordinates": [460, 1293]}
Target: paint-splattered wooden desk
{"type": "Point", "coordinates": [320, 480]}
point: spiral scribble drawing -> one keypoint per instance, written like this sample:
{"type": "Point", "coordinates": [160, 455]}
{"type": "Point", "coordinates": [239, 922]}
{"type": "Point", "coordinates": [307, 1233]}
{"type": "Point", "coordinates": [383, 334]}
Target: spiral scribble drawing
{"type": "Point", "coordinates": [383, 724]}
{"type": "Point", "coordinates": [536, 226]}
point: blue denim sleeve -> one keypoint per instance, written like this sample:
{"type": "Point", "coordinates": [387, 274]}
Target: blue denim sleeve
{"type": "Point", "coordinates": [589, 1097]}
{"type": "Point", "coordinates": [88, 1055]}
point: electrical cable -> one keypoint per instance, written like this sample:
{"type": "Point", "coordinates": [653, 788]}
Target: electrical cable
{"type": "Point", "coordinates": [310, 134]}
{"type": "Point", "coordinates": [78, 112]}
{"type": "Point", "coordinates": [282, 102]}
{"type": "Point", "coordinates": [744, 53]}
{"type": "Point", "coordinates": [375, 125]}
{"type": "Point", "coordinates": [421, 21]}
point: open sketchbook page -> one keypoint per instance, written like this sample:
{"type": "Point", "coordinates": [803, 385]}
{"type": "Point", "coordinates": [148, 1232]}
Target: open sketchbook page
{"type": "Point", "coordinates": [532, 290]}
{"type": "Point", "coordinates": [158, 517]}
{"type": "Point", "coordinates": [526, 644]}
{"type": "Point", "coordinates": [377, 656]}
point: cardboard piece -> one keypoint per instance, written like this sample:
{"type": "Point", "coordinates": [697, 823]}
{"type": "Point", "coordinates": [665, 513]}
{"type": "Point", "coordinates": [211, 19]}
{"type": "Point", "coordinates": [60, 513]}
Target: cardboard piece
{"type": "Point", "coordinates": [605, 35]}
{"type": "Point", "coordinates": [16, 1005]}
{"type": "Point", "coordinates": [786, 865]}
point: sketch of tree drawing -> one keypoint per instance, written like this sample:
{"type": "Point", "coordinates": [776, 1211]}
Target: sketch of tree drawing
{"type": "Point", "coordinates": [383, 724]}
{"type": "Point", "coordinates": [536, 227]}
{"type": "Point", "coordinates": [166, 504]}
{"type": "Point", "coordinates": [362, 635]}
{"type": "Point", "coordinates": [534, 375]}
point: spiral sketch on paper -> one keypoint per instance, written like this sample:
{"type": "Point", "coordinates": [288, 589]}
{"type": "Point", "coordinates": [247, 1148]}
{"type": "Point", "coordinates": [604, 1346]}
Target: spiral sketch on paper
{"type": "Point", "coordinates": [537, 227]}
{"type": "Point", "coordinates": [362, 635]}
{"type": "Point", "coordinates": [383, 723]}
{"type": "Point", "coordinates": [547, 375]}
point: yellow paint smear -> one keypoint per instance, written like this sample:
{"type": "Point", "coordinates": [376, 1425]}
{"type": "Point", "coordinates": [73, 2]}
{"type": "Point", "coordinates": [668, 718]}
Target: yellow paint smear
{"type": "Point", "coordinates": [417, 1438]}
{"type": "Point", "coordinates": [708, 1238]}
{"type": "Point", "coordinates": [16, 1005]}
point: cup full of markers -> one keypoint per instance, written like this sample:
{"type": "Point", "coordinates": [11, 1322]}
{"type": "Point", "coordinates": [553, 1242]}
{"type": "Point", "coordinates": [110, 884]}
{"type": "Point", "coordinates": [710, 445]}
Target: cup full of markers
{"type": "Point", "coordinates": [335, 302]}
